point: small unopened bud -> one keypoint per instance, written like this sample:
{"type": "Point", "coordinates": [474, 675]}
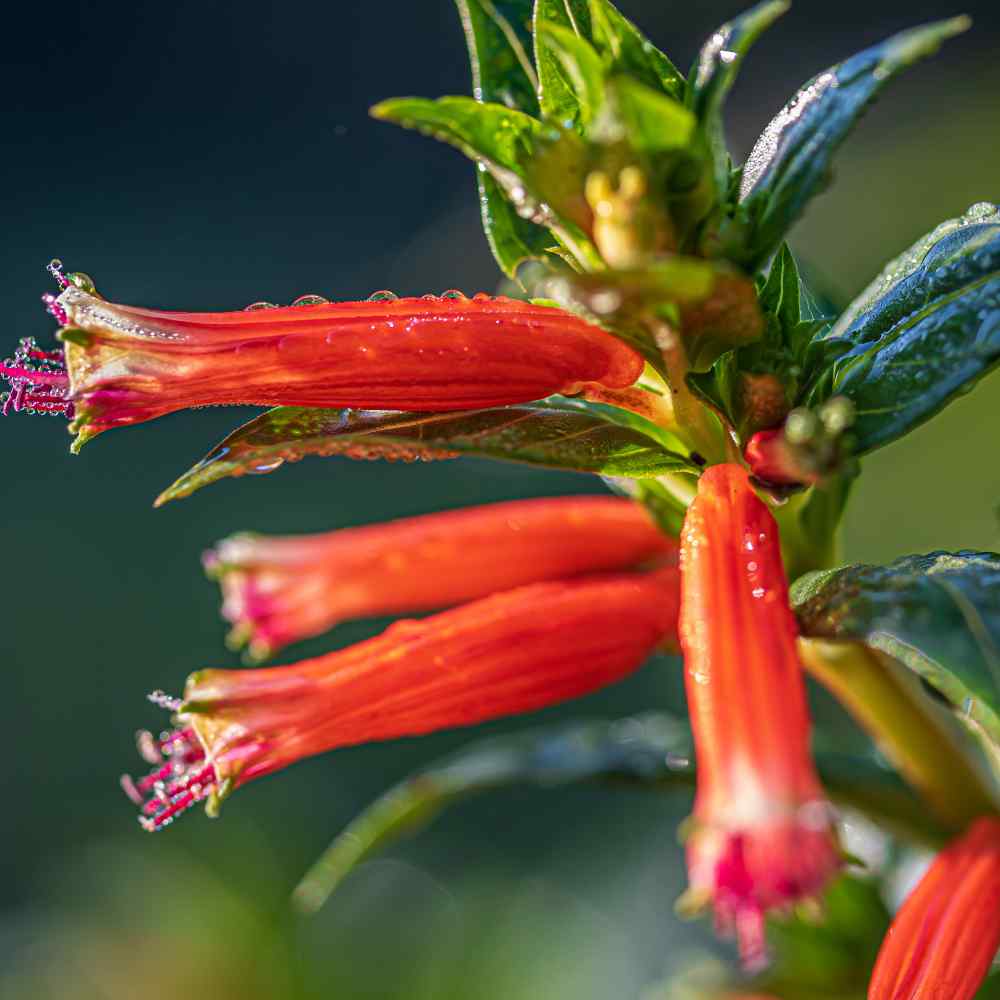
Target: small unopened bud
{"type": "Point", "coordinates": [802, 426]}
{"type": "Point", "coordinates": [837, 414]}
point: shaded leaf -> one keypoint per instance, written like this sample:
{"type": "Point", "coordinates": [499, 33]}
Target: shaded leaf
{"type": "Point", "coordinates": [653, 123]}
{"type": "Point", "coordinates": [558, 434]}
{"type": "Point", "coordinates": [627, 51]}
{"type": "Point", "coordinates": [937, 614]}
{"type": "Point", "coordinates": [559, 102]}
{"type": "Point", "coordinates": [644, 748]}
{"type": "Point", "coordinates": [791, 161]}
{"type": "Point", "coordinates": [498, 36]}
{"type": "Point", "coordinates": [650, 750]}
{"type": "Point", "coordinates": [718, 64]}
{"type": "Point", "coordinates": [922, 333]}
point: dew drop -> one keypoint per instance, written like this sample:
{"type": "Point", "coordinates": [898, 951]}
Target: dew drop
{"type": "Point", "coordinates": [383, 296]}
{"type": "Point", "coordinates": [265, 467]}
{"type": "Point", "coordinates": [310, 300]}
{"type": "Point", "coordinates": [82, 281]}
{"type": "Point", "coordinates": [758, 592]}
{"type": "Point", "coordinates": [254, 306]}
{"type": "Point", "coordinates": [980, 210]}
{"type": "Point", "coordinates": [453, 293]}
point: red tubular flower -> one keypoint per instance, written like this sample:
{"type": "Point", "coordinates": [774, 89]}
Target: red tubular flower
{"type": "Point", "coordinates": [762, 835]}
{"type": "Point", "coordinates": [506, 654]}
{"type": "Point", "coordinates": [946, 934]}
{"type": "Point", "coordinates": [771, 459]}
{"type": "Point", "coordinates": [125, 365]}
{"type": "Point", "coordinates": [277, 590]}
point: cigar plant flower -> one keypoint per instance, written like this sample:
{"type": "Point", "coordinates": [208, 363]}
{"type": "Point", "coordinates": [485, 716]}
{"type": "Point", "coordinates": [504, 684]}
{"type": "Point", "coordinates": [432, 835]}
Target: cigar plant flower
{"type": "Point", "coordinates": [656, 334]}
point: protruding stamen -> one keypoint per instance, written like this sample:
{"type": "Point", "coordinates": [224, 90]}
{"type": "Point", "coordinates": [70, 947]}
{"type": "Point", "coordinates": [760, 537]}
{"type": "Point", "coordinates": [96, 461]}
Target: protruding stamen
{"type": "Point", "coordinates": [165, 701]}
{"type": "Point", "coordinates": [55, 268]}
{"type": "Point", "coordinates": [54, 308]}
{"type": "Point", "coordinates": [179, 779]}
{"type": "Point", "coordinates": [37, 379]}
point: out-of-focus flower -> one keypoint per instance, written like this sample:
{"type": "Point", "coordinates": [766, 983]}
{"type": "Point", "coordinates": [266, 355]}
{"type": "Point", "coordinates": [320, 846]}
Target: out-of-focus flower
{"type": "Point", "coordinates": [124, 365]}
{"type": "Point", "coordinates": [277, 590]}
{"type": "Point", "coordinates": [947, 932]}
{"type": "Point", "coordinates": [761, 835]}
{"type": "Point", "coordinates": [506, 654]}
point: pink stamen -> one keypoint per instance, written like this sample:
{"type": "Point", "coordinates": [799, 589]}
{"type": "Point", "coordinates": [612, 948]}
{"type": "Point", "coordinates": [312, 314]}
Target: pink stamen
{"type": "Point", "coordinates": [175, 783]}
{"type": "Point", "coordinates": [37, 379]}
{"type": "Point", "coordinates": [55, 309]}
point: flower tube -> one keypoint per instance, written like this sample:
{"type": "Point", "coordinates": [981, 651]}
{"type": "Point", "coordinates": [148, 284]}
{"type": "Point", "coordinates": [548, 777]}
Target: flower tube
{"type": "Point", "coordinates": [277, 590]}
{"type": "Point", "coordinates": [510, 653]}
{"type": "Point", "coordinates": [947, 932]}
{"type": "Point", "coordinates": [762, 835]}
{"type": "Point", "coordinates": [124, 365]}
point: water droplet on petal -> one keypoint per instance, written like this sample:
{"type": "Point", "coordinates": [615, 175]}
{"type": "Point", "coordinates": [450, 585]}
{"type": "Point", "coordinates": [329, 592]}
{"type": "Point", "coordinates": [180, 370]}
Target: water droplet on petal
{"type": "Point", "coordinates": [453, 293]}
{"type": "Point", "coordinates": [254, 306]}
{"type": "Point", "coordinates": [310, 300]}
{"type": "Point", "coordinates": [383, 296]}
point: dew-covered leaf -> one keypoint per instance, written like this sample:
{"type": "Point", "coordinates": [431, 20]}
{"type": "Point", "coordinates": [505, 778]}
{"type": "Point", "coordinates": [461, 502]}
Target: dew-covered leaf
{"type": "Point", "coordinates": [558, 433]}
{"type": "Point", "coordinates": [626, 50]}
{"type": "Point", "coordinates": [937, 614]}
{"type": "Point", "coordinates": [790, 162]}
{"type": "Point", "coordinates": [921, 334]}
{"type": "Point", "coordinates": [498, 35]}
{"type": "Point", "coordinates": [718, 64]}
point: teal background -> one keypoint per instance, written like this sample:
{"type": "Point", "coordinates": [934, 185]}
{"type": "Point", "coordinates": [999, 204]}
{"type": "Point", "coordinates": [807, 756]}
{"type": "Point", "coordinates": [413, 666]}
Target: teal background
{"type": "Point", "coordinates": [204, 156]}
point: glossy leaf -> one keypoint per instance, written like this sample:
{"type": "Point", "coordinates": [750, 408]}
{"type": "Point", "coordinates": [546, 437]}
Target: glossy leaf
{"type": "Point", "coordinates": [921, 334]}
{"type": "Point", "coordinates": [936, 614]}
{"type": "Point", "coordinates": [559, 102]}
{"type": "Point", "coordinates": [558, 434]}
{"type": "Point", "coordinates": [651, 750]}
{"type": "Point", "coordinates": [539, 167]}
{"type": "Point", "coordinates": [654, 124]}
{"type": "Point", "coordinates": [791, 161]}
{"type": "Point", "coordinates": [498, 36]}
{"type": "Point", "coordinates": [627, 51]}
{"type": "Point", "coordinates": [718, 64]}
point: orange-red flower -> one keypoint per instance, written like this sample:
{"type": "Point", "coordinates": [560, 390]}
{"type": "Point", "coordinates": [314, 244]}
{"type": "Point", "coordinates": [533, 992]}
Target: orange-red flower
{"type": "Point", "coordinates": [124, 365]}
{"type": "Point", "coordinates": [509, 653]}
{"type": "Point", "coordinates": [762, 833]}
{"type": "Point", "coordinates": [947, 932]}
{"type": "Point", "coordinates": [277, 590]}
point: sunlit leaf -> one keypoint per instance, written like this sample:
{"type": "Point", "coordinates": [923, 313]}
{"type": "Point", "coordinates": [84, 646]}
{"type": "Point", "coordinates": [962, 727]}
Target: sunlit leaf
{"type": "Point", "coordinates": [498, 36]}
{"type": "Point", "coordinates": [936, 614]}
{"type": "Point", "coordinates": [626, 50]}
{"type": "Point", "coordinates": [558, 434]}
{"type": "Point", "coordinates": [581, 66]}
{"type": "Point", "coordinates": [718, 64]}
{"type": "Point", "coordinates": [921, 334]}
{"type": "Point", "coordinates": [559, 101]}
{"type": "Point", "coordinates": [790, 163]}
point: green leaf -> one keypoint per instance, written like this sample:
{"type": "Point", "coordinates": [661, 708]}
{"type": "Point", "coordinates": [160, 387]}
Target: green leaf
{"type": "Point", "coordinates": [937, 614]}
{"type": "Point", "coordinates": [583, 71]}
{"type": "Point", "coordinates": [651, 750]}
{"type": "Point", "coordinates": [921, 334]}
{"type": "Point", "coordinates": [559, 102]}
{"type": "Point", "coordinates": [790, 163]}
{"type": "Point", "coordinates": [718, 64]}
{"type": "Point", "coordinates": [498, 36]}
{"type": "Point", "coordinates": [627, 51]}
{"type": "Point", "coordinates": [654, 124]}
{"type": "Point", "coordinates": [558, 434]}
{"type": "Point", "coordinates": [539, 167]}
{"type": "Point", "coordinates": [649, 747]}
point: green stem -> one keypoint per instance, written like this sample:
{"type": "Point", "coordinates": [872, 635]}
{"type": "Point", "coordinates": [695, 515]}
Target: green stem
{"type": "Point", "coordinates": [693, 419]}
{"type": "Point", "coordinates": [909, 729]}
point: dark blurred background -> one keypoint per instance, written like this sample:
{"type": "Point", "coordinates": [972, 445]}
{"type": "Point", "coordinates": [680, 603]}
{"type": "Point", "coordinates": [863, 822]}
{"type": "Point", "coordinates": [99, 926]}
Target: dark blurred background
{"type": "Point", "coordinates": [204, 155]}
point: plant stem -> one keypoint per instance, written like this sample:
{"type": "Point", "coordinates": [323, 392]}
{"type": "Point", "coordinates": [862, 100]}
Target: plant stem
{"type": "Point", "coordinates": [693, 419]}
{"type": "Point", "coordinates": [910, 730]}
